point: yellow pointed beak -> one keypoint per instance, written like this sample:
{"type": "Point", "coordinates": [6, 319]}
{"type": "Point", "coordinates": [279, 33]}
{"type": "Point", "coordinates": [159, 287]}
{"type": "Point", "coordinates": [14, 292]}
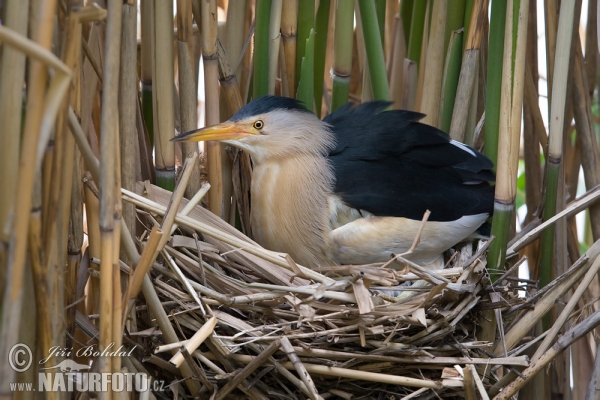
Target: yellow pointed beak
{"type": "Point", "coordinates": [225, 131]}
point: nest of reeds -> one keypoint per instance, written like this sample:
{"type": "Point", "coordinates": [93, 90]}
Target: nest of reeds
{"type": "Point", "coordinates": [250, 323]}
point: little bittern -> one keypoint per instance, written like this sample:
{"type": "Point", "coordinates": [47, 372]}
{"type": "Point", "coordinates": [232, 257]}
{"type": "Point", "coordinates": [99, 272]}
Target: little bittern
{"type": "Point", "coordinates": [353, 188]}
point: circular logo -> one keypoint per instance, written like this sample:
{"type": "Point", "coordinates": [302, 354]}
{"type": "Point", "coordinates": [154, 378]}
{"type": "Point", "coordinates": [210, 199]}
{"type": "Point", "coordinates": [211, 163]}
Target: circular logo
{"type": "Point", "coordinates": [20, 357]}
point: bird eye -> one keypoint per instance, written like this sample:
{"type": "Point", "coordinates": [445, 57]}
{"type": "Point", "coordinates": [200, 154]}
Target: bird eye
{"type": "Point", "coordinates": [259, 124]}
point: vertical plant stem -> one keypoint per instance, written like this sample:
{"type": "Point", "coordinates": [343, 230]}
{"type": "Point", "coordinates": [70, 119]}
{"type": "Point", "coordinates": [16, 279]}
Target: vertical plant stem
{"type": "Point", "coordinates": [188, 96]}
{"type": "Point", "coordinates": [322, 29]}
{"type": "Point", "coordinates": [11, 104]}
{"type": "Point", "coordinates": [109, 145]}
{"type": "Point", "coordinates": [36, 86]}
{"type": "Point", "coordinates": [274, 42]}
{"type": "Point", "coordinates": [555, 139]}
{"type": "Point", "coordinates": [235, 35]}
{"type": "Point", "coordinates": [430, 105]}
{"type": "Point", "coordinates": [306, 85]}
{"type": "Point", "coordinates": [306, 23]}
{"type": "Point", "coordinates": [219, 169]}
{"type": "Point", "coordinates": [450, 82]}
{"type": "Point", "coordinates": [164, 108]}
{"type": "Point", "coordinates": [469, 73]}
{"type": "Point", "coordinates": [406, 13]}
{"type": "Point", "coordinates": [342, 52]}
{"type": "Point", "coordinates": [455, 20]}
{"type": "Point", "coordinates": [417, 25]}
{"type": "Point", "coordinates": [260, 82]}
{"type": "Point", "coordinates": [128, 108]}
{"type": "Point", "coordinates": [510, 122]}
{"type": "Point", "coordinates": [494, 80]}
{"type": "Point", "coordinates": [397, 84]}
{"type": "Point", "coordinates": [374, 50]}
{"type": "Point", "coordinates": [289, 31]}
{"type": "Point", "coordinates": [147, 65]}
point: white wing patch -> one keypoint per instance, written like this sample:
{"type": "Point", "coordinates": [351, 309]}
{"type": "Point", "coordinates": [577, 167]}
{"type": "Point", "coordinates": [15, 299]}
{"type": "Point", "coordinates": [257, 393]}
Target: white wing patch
{"type": "Point", "coordinates": [463, 147]}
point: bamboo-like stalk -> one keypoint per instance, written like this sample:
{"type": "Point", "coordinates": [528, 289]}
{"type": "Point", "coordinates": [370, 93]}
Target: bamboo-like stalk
{"type": "Point", "coordinates": [235, 36]}
{"type": "Point", "coordinates": [306, 23]}
{"type": "Point", "coordinates": [430, 104]}
{"type": "Point", "coordinates": [455, 20]}
{"type": "Point", "coordinates": [108, 175]}
{"type": "Point", "coordinates": [43, 290]}
{"type": "Point", "coordinates": [422, 58]}
{"type": "Point", "coordinates": [397, 65]}
{"type": "Point", "coordinates": [591, 45]}
{"type": "Point", "coordinates": [416, 26]}
{"type": "Point", "coordinates": [306, 84]}
{"type": "Point", "coordinates": [188, 95]}
{"type": "Point", "coordinates": [391, 16]}
{"type": "Point", "coordinates": [33, 132]}
{"type": "Point", "coordinates": [321, 34]}
{"type": "Point", "coordinates": [469, 72]}
{"type": "Point", "coordinates": [260, 81]}
{"type": "Point", "coordinates": [510, 121]}
{"type": "Point", "coordinates": [374, 50]}
{"type": "Point", "coordinates": [551, 27]}
{"type": "Point", "coordinates": [584, 122]}
{"type": "Point", "coordinates": [147, 57]}
{"type": "Point", "coordinates": [380, 6]}
{"type": "Point", "coordinates": [219, 170]}
{"type": "Point", "coordinates": [128, 85]}
{"type": "Point", "coordinates": [494, 80]}
{"type": "Point", "coordinates": [66, 289]}
{"type": "Point", "coordinates": [274, 42]}
{"type": "Point", "coordinates": [289, 32]}
{"type": "Point", "coordinates": [164, 108]}
{"type": "Point", "coordinates": [555, 139]}
{"type": "Point", "coordinates": [342, 53]}
{"type": "Point", "coordinates": [242, 169]}
{"type": "Point", "coordinates": [11, 86]}
{"type": "Point", "coordinates": [366, 91]}
{"type": "Point", "coordinates": [450, 81]}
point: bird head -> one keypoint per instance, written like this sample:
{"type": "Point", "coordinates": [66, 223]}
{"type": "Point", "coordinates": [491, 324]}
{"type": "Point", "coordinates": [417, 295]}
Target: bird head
{"type": "Point", "coordinates": [269, 127]}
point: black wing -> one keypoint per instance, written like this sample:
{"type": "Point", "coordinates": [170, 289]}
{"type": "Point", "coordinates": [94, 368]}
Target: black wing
{"type": "Point", "coordinates": [389, 164]}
